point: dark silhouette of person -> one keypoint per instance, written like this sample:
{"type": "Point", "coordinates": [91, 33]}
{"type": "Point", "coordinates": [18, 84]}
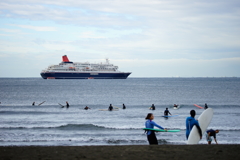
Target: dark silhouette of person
{"type": "Point", "coordinates": [86, 108]}
{"type": "Point", "coordinates": [206, 106]}
{"type": "Point", "coordinates": [124, 107]}
{"type": "Point", "coordinates": [152, 107]}
{"type": "Point", "coordinates": [166, 112]}
{"type": "Point", "coordinates": [67, 105]}
{"type": "Point", "coordinates": [110, 108]}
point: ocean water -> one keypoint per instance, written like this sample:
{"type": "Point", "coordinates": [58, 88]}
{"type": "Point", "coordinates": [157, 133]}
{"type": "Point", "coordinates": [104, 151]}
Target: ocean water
{"type": "Point", "coordinates": [22, 124]}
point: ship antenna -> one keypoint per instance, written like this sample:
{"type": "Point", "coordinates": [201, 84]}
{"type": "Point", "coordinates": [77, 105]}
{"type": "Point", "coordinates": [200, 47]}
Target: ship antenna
{"type": "Point", "coordinates": [107, 60]}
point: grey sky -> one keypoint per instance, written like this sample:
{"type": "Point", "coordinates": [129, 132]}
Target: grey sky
{"type": "Point", "coordinates": [151, 38]}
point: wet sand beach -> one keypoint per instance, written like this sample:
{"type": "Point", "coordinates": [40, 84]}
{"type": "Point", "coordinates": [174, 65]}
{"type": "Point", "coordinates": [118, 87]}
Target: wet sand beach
{"type": "Point", "coordinates": [120, 152]}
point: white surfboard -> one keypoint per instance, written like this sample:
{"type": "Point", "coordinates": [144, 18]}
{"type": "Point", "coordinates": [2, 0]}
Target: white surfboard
{"type": "Point", "coordinates": [204, 120]}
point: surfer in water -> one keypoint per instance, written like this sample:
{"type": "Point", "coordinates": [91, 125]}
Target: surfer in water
{"type": "Point", "coordinates": [33, 104]}
{"type": "Point", "coordinates": [67, 105]}
{"type": "Point", "coordinates": [124, 107]}
{"type": "Point", "coordinates": [166, 112]}
{"type": "Point", "coordinates": [86, 108]}
{"type": "Point", "coordinates": [110, 108]}
{"type": "Point", "coordinates": [152, 139]}
{"type": "Point", "coordinates": [190, 122]}
{"type": "Point", "coordinates": [175, 106]}
{"type": "Point", "coordinates": [211, 133]}
{"type": "Point", "coordinates": [152, 107]}
{"type": "Point", "coordinates": [206, 106]}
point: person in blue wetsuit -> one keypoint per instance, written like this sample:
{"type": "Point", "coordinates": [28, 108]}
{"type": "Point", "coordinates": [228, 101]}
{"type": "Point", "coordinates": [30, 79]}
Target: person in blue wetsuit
{"type": "Point", "coordinates": [151, 134]}
{"type": "Point", "coordinates": [190, 122]}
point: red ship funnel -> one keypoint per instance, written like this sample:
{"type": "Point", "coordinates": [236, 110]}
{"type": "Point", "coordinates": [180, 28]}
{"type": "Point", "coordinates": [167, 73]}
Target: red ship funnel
{"type": "Point", "coordinates": [65, 58]}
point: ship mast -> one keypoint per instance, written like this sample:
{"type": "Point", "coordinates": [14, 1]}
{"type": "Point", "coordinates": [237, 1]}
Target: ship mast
{"type": "Point", "coordinates": [107, 60]}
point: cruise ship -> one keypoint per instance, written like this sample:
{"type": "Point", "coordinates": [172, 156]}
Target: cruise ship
{"type": "Point", "coordinates": [83, 70]}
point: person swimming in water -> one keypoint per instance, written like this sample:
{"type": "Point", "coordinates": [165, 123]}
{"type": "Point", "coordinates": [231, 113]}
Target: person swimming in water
{"type": "Point", "coordinates": [67, 105]}
{"type": "Point", "coordinates": [206, 106]}
{"type": "Point", "coordinates": [124, 107]}
{"type": "Point", "coordinates": [86, 108]}
{"type": "Point", "coordinates": [152, 139]}
{"type": "Point", "coordinates": [190, 122]}
{"type": "Point", "coordinates": [110, 108]}
{"type": "Point", "coordinates": [152, 107]}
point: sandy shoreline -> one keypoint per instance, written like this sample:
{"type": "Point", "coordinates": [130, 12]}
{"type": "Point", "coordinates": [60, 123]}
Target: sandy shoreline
{"type": "Point", "coordinates": [121, 152]}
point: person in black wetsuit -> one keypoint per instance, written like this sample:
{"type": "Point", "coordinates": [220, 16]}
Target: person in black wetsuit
{"type": "Point", "coordinates": [86, 108]}
{"type": "Point", "coordinates": [206, 106]}
{"type": "Point", "coordinates": [152, 107]}
{"type": "Point", "coordinates": [124, 107]}
{"type": "Point", "coordinates": [110, 108]}
{"type": "Point", "coordinates": [67, 105]}
{"type": "Point", "coordinates": [33, 104]}
{"type": "Point", "coordinates": [211, 133]}
{"type": "Point", "coordinates": [166, 112]}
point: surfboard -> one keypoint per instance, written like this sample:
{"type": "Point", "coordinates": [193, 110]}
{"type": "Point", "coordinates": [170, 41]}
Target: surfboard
{"type": "Point", "coordinates": [160, 130]}
{"type": "Point", "coordinates": [61, 105]}
{"type": "Point", "coordinates": [115, 107]}
{"type": "Point", "coordinates": [42, 103]}
{"type": "Point", "coordinates": [108, 110]}
{"type": "Point", "coordinates": [204, 120]}
{"type": "Point", "coordinates": [198, 106]}
{"type": "Point", "coordinates": [171, 116]}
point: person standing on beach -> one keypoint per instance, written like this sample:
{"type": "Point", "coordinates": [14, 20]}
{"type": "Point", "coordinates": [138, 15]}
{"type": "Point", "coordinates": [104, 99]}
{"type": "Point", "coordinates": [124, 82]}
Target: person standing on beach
{"type": "Point", "coordinates": [67, 105]}
{"type": "Point", "coordinates": [110, 108]}
{"type": "Point", "coordinates": [212, 133]}
{"type": "Point", "coordinates": [190, 122]}
{"type": "Point", "coordinates": [152, 107]}
{"type": "Point", "coordinates": [166, 112]}
{"type": "Point", "coordinates": [152, 139]}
